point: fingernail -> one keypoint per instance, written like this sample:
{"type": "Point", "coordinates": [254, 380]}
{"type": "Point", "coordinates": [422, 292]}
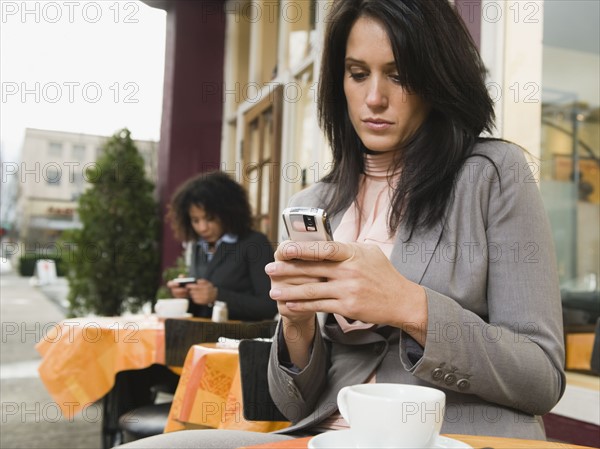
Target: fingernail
{"type": "Point", "coordinates": [275, 293]}
{"type": "Point", "coordinates": [270, 268]}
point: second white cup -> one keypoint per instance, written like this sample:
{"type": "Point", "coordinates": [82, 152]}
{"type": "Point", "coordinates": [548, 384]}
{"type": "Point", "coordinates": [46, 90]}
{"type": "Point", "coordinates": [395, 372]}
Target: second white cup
{"type": "Point", "coordinates": [171, 308]}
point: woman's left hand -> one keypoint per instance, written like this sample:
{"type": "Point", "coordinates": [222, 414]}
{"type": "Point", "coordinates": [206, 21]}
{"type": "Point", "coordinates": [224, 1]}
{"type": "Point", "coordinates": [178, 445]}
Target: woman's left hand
{"type": "Point", "coordinates": [362, 284]}
{"type": "Point", "coordinates": [202, 292]}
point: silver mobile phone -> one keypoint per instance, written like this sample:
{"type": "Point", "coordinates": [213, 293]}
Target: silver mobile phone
{"type": "Point", "coordinates": [307, 224]}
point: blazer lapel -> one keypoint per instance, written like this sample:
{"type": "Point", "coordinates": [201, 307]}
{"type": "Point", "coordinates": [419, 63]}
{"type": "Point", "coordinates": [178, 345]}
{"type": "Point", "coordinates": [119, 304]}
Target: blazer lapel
{"type": "Point", "coordinates": [412, 257]}
{"type": "Point", "coordinates": [218, 258]}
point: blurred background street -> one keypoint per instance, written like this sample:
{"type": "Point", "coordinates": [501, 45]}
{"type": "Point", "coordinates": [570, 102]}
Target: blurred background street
{"type": "Point", "coordinates": [30, 419]}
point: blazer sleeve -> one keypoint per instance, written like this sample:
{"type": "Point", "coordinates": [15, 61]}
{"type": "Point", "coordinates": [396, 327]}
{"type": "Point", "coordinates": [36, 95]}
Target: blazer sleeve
{"type": "Point", "coordinates": [513, 356]}
{"type": "Point", "coordinates": [253, 305]}
{"type": "Point", "coordinates": [296, 393]}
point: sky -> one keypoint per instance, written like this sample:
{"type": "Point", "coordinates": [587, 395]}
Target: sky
{"type": "Point", "coordinates": [81, 66]}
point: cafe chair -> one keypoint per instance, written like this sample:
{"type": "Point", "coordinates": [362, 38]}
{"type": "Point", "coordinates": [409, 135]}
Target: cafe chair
{"type": "Point", "coordinates": [133, 389]}
{"type": "Point", "coordinates": [180, 336]}
{"type": "Point", "coordinates": [257, 402]}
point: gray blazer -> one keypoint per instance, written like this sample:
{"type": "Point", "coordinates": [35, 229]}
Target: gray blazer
{"type": "Point", "coordinates": [495, 338]}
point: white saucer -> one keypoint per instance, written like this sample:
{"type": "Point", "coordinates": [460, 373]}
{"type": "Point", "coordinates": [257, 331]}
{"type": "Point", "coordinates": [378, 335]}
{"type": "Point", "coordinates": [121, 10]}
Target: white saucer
{"type": "Point", "coordinates": [343, 439]}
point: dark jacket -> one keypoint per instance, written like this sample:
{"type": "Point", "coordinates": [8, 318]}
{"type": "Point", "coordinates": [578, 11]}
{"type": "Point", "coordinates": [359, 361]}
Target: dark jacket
{"type": "Point", "coordinates": [238, 271]}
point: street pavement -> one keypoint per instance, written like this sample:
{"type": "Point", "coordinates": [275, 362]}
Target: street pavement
{"type": "Point", "coordinates": [30, 418]}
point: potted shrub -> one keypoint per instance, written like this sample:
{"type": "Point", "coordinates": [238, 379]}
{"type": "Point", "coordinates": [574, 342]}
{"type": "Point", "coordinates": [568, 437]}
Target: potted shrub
{"type": "Point", "coordinates": [114, 264]}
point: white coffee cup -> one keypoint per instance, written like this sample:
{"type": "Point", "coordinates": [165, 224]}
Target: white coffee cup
{"type": "Point", "coordinates": [171, 307]}
{"type": "Point", "coordinates": [392, 415]}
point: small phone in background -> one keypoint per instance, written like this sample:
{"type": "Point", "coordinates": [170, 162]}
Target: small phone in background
{"type": "Point", "coordinates": [184, 281]}
{"type": "Point", "coordinates": [307, 224]}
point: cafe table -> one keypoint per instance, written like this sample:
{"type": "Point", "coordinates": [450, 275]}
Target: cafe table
{"type": "Point", "coordinates": [209, 392]}
{"type": "Point", "coordinates": [81, 356]}
{"type": "Point", "coordinates": [475, 441]}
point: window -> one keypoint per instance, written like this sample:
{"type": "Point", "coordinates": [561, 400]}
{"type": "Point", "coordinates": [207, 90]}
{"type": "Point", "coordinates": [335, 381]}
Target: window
{"type": "Point", "coordinates": [272, 43]}
{"type": "Point", "coordinates": [52, 176]}
{"type": "Point", "coordinates": [570, 151]}
{"type": "Point", "coordinates": [260, 161]}
{"type": "Point", "coordinates": [55, 149]}
{"type": "Point", "coordinates": [78, 184]}
{"type": "Point", "coordinates": [78, 152]}
{"type": "Point", "coordinates": [570, 124]}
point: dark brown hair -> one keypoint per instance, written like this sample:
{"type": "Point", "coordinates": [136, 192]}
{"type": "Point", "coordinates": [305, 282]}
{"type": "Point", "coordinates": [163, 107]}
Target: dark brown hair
{"type": "Point", "coordinates": [220, 197]}
{"type": "Point", "coordinates": [437, 60]}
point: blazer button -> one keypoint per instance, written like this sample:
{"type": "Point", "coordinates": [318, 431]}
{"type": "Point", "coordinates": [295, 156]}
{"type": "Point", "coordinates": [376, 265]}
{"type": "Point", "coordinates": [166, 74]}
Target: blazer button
{"type": "Point", "coordinates": [437, 374]}
{"type": "Point", "coordinates": [463, 384]}
{"type": "Point", "coordinates": [449, 379]}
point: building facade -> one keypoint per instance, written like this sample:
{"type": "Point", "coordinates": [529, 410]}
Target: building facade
{"type": "Point", "coordinates": [52, 175]}
{"type": "Point", "coordinates": [241, 80]}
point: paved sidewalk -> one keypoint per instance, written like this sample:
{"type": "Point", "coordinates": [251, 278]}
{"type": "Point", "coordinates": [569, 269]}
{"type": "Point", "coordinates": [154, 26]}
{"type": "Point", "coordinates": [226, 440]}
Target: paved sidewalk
{"type": "Point", "coordinates": [30, 418]}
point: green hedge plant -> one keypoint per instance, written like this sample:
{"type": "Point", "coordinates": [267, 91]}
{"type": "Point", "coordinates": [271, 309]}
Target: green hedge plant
{"type": "Point", "coordinates": [27, 264]}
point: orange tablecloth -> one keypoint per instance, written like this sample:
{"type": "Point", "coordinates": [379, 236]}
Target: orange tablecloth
{"type": "Point", "coordinates": [81, 356]}
{"type": "Point", "coordinates": [209, 393]}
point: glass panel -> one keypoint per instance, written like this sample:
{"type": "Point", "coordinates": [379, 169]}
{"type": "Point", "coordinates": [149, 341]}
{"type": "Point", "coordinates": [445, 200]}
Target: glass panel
{"type": "Point", "coordinates": [52, 176]}
{"type": "Point", "coordinates": [305, 132]}
{"type": "Point", "coordinates": [251, 171]}
{"type": "Point", "coordinates": [267, 149]}
{"type": "Point", "coordinates": [79, 152]}
{"type": "Point", "coordinates": [242, 56]}
{"type": "Point", "coordinates": [79, 186]}
{"type": "Point", "coordinates": [55, 149]}
{"type": "Point", "coordinates": [570, 153]}
{"type": "Point", "coordinates": [251, 175]}
{"type": "Point", "coordinates": [270, 24]}
{"type": "Point", "coordinates": [254, 150]}
{"type": "Point", "coordinates": [265, 193]}
{"type": "Point", "coordinates": [231, 131]}
{"type": "Point", "coordinates": [301, 17]}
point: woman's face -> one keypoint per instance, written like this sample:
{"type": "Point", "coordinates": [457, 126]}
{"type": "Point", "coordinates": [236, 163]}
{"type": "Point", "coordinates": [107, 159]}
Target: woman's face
{"type": "Point", "coordinates": [382, 112]}
{"type": "Point", "coordinates": [209, 228]}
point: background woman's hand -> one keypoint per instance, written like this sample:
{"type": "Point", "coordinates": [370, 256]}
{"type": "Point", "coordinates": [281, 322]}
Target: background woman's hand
{"type": "Point", "coordinates": [177, 291]}
{"type": "Point", "coordinates": [202, 292]}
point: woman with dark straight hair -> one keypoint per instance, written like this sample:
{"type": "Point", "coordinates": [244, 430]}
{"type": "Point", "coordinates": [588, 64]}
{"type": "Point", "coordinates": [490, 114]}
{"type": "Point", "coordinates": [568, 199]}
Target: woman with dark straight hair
{"type": "Point", "coordinates": [443, 68]}
{"type": "Point", "coordinates": [423, 281]}
{"type": "Point", "coordinates": [442, 271]}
